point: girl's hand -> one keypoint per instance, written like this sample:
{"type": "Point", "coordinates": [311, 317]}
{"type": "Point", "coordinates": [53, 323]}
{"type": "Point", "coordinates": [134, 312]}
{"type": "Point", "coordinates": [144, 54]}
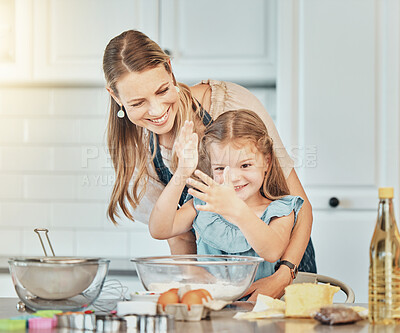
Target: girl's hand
{"type": "Point", "coordinates": [219, 198]}
{"type": "Point", "coordinates": [186, 149]}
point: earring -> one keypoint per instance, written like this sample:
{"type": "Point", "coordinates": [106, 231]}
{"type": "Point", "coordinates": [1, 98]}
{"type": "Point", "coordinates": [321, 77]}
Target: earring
{"type": "Point", "coordinates": [177, 89]}
{"type": "Point", "coordinates": [121, 113]}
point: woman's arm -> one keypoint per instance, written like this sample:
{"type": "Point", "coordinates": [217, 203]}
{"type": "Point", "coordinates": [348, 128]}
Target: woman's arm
{"type": "Point", "coordinates": [275, 284]}
{"type": "Point", "coordinates": [302, 231]}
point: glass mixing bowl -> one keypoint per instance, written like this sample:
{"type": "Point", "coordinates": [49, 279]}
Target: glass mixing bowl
{"type": "Point", "coordinates": [226, 277]}
{"type": "Point", "coordinates": [62, 283]}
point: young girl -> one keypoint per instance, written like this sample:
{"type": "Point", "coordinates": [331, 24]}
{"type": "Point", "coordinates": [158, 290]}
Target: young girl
{"type": "Point", "coordinates": [244, 209]}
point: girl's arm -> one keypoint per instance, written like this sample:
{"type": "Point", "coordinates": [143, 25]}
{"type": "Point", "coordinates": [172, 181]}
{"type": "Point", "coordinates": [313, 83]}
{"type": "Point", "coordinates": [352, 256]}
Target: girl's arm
{"type": "Point", "coordinates": [183, 244]}
{"type": "Point", "coordinates": [165, 220]}
{"type": "Point", "coordinates": [269, 241]}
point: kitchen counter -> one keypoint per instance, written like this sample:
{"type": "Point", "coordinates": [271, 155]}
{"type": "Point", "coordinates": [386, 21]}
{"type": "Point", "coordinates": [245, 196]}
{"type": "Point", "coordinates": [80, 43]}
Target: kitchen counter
{"type": "Point", "coordinates": [222, 321]}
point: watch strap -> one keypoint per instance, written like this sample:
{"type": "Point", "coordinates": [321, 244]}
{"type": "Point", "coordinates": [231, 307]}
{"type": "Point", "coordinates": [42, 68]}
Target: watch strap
{"type": "Point", "coordinates": [293, 268]}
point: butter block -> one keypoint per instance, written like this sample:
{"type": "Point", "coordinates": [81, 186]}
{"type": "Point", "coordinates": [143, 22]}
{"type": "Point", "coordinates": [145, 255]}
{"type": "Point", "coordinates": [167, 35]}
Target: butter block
{"type": "Point", "coordinates": [303, 299]}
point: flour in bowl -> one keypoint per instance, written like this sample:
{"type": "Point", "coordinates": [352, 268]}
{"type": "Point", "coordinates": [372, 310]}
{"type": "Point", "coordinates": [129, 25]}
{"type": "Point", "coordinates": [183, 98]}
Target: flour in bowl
{"type": "Point", "coordinates": [222, 291]}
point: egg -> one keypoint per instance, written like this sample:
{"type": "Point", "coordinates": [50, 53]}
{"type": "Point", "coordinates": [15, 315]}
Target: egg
{"type": "Point", "coordinates": [195, 297]}
{"type": "Point", "coordinates": [206, 293]}
{"type": "Point", "coordinates": [168, 297]}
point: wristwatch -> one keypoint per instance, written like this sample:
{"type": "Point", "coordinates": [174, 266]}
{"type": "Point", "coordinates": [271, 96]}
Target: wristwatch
{"type": "Point", "coordinates": [293, 268]}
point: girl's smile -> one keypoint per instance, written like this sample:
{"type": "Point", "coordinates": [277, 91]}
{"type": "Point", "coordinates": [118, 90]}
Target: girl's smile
{"type": "Point", "coordinates": [247, 169]}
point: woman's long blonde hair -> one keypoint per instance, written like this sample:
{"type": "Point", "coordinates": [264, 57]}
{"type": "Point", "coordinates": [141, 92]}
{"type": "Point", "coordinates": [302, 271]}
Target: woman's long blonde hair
{"type": "Point", "coordinates": [128, 144]}
{"type": "Point", "coordinates": [241, 127]}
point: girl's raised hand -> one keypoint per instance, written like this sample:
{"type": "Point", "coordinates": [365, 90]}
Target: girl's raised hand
{"type": "Point", "coordinates": [219, 198]}
{"type": "Point", "coordinates": [186, 147]}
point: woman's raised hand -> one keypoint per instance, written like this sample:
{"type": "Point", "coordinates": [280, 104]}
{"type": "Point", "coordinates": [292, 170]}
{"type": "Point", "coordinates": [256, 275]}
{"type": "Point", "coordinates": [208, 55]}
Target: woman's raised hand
{"type": "Point", "coordinates": [219, 198]}
{"type": "Point", "coordinates": [186, 148]}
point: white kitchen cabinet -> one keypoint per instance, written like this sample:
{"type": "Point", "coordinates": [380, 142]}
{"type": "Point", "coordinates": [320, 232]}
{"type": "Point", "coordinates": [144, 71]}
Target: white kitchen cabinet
{"type": "Point", "coordinates": [337, 109]}
{"type": "Point", "coordinates": [62, 41]}
{"type": "Point", "coordinates": [231, 40]}
{"type": "Point", "coordinates": [70, 35]}
{"type": "Point", "coordinates": [15, 40]}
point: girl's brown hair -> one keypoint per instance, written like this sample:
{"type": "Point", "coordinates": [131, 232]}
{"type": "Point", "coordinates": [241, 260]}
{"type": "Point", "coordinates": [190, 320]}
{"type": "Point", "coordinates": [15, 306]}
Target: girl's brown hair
{"type": "Point", "coordinates": [128, 144]}
{"type": "Point", "coordinates": [241, 127]}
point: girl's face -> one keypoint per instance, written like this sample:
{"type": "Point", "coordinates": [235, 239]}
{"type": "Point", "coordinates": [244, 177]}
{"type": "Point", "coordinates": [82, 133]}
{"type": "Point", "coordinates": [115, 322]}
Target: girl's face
{"type": "Point", "coordinates": [150, 99]}
{"type": "Point", "coordinates": [247, 168]}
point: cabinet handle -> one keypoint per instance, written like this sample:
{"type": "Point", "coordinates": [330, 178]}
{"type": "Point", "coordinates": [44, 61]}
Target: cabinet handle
{"type": "Point", "coordinates": [334, 202]}
{"type": "Point", "coordinates": [167, 52]}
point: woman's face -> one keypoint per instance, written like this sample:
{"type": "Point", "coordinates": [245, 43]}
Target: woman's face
{"type": "Point", "coordinates": [150, 99]}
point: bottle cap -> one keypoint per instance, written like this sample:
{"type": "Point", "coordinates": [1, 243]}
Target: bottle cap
{"type": "Point", "coordinates": [386, 192]}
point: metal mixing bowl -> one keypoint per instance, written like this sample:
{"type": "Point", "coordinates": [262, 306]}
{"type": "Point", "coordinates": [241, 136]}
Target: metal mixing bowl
{"type": "Point", "coordinates": [226, 277]}
{"type": "Point", "coordinates": [63, 283]}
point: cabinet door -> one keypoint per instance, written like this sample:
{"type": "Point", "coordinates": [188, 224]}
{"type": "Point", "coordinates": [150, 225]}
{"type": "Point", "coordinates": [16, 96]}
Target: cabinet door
{"type": "Point", "coordinates": [330, 97]}
{"type": "Point", "coordinates": [15, 37]}
{"type": "Point", "coordinates": [341, 240]}
{"type": "Point", "coordinates": [230, 40]}
{"type": "Point", "coordinates": [338, 106]}
{"type": "Point", "coordinates": [339, 97]}
{"type": "Point", "coordinates": [70, 35]}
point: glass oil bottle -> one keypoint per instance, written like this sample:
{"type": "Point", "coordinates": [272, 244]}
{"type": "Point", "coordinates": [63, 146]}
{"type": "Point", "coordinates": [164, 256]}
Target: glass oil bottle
{"type": "Point", "coordinates": [384, 270]}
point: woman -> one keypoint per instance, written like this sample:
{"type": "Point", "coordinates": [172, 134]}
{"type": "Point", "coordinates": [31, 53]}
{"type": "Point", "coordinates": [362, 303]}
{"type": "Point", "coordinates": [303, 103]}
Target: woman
{"type": "Point", "coordinates": [148, 108]}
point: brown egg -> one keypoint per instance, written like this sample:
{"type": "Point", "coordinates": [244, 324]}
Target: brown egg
{"type": "Point", "coordinates": [193, 297]}
{"type": "Point", "coordinates": [168, 297]}
{"type": "Point", "coordinates": [206, 293]}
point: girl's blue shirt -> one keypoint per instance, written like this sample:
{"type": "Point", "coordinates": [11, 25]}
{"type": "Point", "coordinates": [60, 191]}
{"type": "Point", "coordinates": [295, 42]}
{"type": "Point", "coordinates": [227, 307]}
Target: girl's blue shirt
{"type": "Point", "coordinates": [215, 235]}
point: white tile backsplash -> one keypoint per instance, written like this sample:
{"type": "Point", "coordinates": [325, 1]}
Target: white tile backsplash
{"type": "Point", "coordinates": [142, 244]}
{"type": "Point", "coordinates": [11, 186]}
{"type": "Point", "coordinates": [26, 158]}
{"type": "Point", "coordinates": [50, 187]}
{"type": "Point", "coordinates": [112, 244]}
{"type": "Point", "coordinates": [80, 101]}
{"type": "Point", "coordinates": [77, 214]}
{"type": "Point", "coordinates": [55, 172]}
{"type": "Point", "coordinates": [93, 130]}
{"type": "Point", "coordinates": [25, 101]}
{"type": "Point", "coordinates": [11, 131]}
{"type": "Point", "coordinates": [24, 214]}
{"type": "Point", "coordinates": [88, 157]}
{"type": "Point", "coordinates": [10, 242]}
{"type": "Point", "coordinates": [95, 186]}
{"type": "Point", "coordinates": [47, 131]}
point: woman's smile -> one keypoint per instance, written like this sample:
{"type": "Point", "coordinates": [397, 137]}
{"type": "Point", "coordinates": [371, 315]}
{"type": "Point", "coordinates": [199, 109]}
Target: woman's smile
{"type": "Point", "coordinates": [161, 120]}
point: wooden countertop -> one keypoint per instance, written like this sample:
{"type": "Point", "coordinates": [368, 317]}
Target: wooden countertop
{"type": "Point", "coordinates": [222, 321]}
